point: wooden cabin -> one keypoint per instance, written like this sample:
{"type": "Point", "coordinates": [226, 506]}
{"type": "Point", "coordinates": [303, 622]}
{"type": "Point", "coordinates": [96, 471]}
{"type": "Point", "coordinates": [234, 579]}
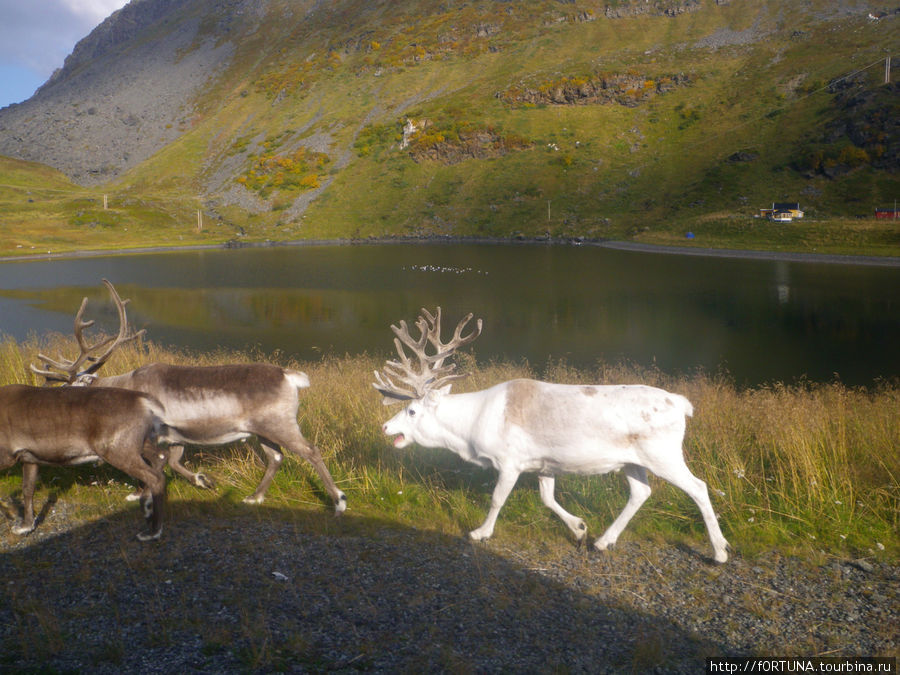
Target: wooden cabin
{"type": "Point", "coordinates": [782, 212]}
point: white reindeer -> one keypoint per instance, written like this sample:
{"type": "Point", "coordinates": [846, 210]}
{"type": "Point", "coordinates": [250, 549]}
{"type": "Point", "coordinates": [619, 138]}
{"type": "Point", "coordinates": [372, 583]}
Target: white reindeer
{"type": "Point", "coordinates": [529, 426]}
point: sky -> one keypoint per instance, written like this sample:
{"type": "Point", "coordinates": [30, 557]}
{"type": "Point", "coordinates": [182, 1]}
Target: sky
{"type": "Point", "coordinates": [36, 36]}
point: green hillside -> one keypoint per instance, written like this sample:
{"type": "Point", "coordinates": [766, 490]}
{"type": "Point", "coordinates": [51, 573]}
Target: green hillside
{"type": "Point", "coordinates": [624, 120]}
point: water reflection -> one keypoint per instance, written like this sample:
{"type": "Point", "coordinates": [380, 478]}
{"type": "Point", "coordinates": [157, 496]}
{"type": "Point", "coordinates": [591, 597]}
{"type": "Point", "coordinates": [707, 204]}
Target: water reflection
{"type": "Point", "coordinates": [761, 320]}
{"type": "Point", "coordinates": [783, 282]}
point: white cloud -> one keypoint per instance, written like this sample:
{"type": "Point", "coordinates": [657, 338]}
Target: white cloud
{"type": "Point", "coordinates": [93, 10]}
{"type": "Point", "coordinates": [37, 35]}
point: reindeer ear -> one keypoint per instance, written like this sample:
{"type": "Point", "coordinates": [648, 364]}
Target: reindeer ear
{"type": "Point", "coordinates": [389, 397]}
{"type": "Point", "coordinates": [443, 391]}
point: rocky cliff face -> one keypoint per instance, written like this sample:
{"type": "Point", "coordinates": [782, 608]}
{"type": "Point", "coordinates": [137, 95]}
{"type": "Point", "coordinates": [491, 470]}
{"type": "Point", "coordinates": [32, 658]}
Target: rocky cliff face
{"type": "Point", "coordinates": [118, 99]}
{"type": "Point", "coordinates": [130, 87]}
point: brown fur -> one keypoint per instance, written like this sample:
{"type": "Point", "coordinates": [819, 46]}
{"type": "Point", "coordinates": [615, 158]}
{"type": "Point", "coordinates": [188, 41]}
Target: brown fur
{"type": "Point", "coordinates": [522, 403]}
{"type": "Point", "coordinates": [70, 425]}
{"type": "Point", "coordinates": [205, 404]}
{"type": "Point", "coordinates": [250, 379]}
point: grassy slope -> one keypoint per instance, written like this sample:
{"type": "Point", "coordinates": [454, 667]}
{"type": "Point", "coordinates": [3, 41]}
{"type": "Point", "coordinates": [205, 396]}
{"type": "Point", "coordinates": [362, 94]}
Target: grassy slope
{"type": "Point", "coordinates": [42, 211]}
{"type": "Point", "coordinates": [647, 173]}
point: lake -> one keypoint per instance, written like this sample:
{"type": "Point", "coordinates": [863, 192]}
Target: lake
{"type": "Point", "coordinates": [760, 320]}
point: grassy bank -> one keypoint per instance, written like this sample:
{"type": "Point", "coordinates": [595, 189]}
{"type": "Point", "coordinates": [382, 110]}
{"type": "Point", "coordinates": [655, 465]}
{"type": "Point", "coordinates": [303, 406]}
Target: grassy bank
{"type": "Point", "coordinates": [801, 468]}
{"type": "Point", "coordinates": [838, 236]}
{"type": "Point", "coordinates": [42, 212]}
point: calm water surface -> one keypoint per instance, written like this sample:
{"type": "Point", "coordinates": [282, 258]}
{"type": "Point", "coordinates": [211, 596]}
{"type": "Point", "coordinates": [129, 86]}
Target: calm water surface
{"type": "Point", "coordinates": [760, 320]}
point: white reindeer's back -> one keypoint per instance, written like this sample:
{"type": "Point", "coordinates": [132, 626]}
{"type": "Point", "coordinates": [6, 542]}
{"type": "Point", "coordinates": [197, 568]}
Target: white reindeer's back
{"type": "Point", "coordinates": [590, 428]}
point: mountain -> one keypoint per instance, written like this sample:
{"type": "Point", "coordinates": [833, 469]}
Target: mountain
{"type": "Point", "coordinates": [352, 118]}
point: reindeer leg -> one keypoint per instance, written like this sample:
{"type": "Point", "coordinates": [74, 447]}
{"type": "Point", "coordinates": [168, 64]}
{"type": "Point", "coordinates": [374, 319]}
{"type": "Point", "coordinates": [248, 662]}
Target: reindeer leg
{"type": "Point", "coordinates": [9, 510]}
{"type": "Point", "coordinates": [29, 478]}
{"type": "Point", "coordinates": [155, 484]}
{"type": "Point", "coordinates": [681, 477]}
{"type": "Point", "coordinates": [337, 496]}
{"type": "Point", "coordinates": [295, 442]}
{"type": "Point", "coordinates": [156, 462]}
{"type": "Point", "coordinates": [198, 479]}
{"type": "Point", "coordinates": [155, 456]}
{"type": "Point", "coordinates": [175, 452]}
{"type": "Point", "coordinates": [505, 484]}
{"type": "Point", "coordinates": [574, 523]}
{"type": "Point", "coordinates": [640, 490]}
{"type": "Point", "coordinates": [145, 466]}
{"type": "Point", "coordinates": [274, 458]}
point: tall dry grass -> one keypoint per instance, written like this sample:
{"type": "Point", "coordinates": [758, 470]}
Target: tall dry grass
{"type": "Point", "coordinates": [806, 466]}
{"type": "Point", "coordinates": [814, 462]}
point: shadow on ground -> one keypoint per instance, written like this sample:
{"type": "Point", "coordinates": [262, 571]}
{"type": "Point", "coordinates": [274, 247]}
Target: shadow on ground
{"type": "Point", "coordinates": [258, 589]}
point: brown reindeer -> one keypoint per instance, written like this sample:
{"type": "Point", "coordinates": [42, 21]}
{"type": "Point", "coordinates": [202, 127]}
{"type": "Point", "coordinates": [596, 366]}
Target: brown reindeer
{"type": "Point", "coordinates": [69, 426]}
{"type": "Point", "coordinates": [208, 405]}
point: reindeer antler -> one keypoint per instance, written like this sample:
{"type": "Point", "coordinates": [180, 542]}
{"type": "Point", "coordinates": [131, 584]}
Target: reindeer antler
{"type": "Point", "coordinates": [431, 373]}
{"type": "Point", "coordinates": [69, 372]}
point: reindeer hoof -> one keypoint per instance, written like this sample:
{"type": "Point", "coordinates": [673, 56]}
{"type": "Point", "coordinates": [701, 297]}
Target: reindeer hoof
{"type": "Point", "coordinates": [341, 505]}
{"type": "Point", "coordinates": [22, 529]}
{"type": "Point", "coordinates": [253, 499]}
{"type": "Point", "coordinates": [202, 481]}
{"type": "Point", "coordinates": [148, 536]}
{"type": "Point", "coordinates": [133, 497]}
{"type": "Point", "coordinates": [581, 533]}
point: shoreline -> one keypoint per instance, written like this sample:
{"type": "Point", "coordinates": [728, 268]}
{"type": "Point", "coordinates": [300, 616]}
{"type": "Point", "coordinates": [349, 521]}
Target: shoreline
{"type": "Point", "coordinates": [742, 254]}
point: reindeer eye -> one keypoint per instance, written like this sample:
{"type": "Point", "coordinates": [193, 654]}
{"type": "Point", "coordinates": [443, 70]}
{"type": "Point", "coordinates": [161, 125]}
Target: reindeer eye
{"type": "Point", "coordinates": [411, 412]}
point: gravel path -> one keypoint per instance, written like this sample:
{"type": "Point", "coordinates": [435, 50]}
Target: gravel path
{"type": "Point", "coordinates": [262, 590]}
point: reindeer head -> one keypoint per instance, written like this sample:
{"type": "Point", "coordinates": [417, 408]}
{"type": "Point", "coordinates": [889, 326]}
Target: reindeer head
{"type": "Point", "coordinates": [74, 373]}
{"type": "Point", "coordinates": [422, 382]}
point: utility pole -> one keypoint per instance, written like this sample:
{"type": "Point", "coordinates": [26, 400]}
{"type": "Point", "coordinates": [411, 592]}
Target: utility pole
{"type": "Point", "coordinates": [199, 220]}
{"type": "Point", "coordinates": [887, 70]}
